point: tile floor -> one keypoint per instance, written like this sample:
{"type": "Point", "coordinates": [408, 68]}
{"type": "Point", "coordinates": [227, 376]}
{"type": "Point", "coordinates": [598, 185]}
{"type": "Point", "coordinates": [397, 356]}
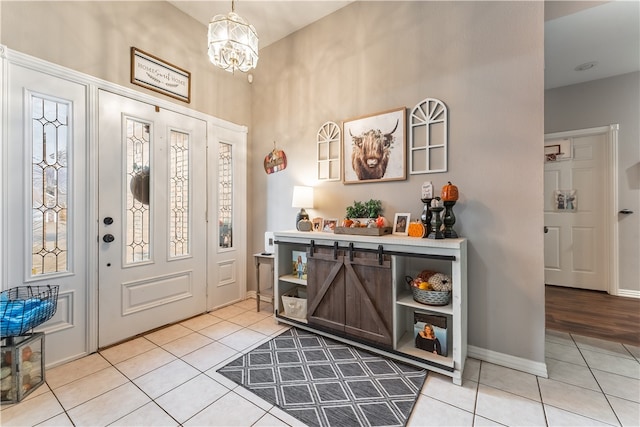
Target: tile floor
{"type": "Point", "coordinates": [168, 378]}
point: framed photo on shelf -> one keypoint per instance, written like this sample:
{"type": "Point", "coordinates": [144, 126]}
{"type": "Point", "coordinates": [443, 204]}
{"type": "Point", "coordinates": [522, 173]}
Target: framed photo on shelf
{"type": "Point", "coordinates": [430, 333]}
{"type": "Point", "coordinates": [329, 225]}
{"type": "Point", "coordinates": [374, 147]}
{"type": "Point", "coordinates": [317, 224]}
{"type": "Point", "coordinates": [299, 259]}
{"type": "Point", "coordinates": [401, 224]}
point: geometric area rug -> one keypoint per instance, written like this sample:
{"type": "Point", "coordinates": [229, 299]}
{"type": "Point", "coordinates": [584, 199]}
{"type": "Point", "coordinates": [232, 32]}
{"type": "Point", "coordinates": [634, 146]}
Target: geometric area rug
{"type": "Point", "coordinates": [323, 382]}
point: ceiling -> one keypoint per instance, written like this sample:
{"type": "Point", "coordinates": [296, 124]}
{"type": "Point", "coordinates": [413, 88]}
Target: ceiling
{"type": "Point", "coordinates": [608, 33]}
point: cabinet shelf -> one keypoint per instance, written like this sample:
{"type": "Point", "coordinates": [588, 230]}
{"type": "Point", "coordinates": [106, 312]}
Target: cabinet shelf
{"type": "Point", "coordinates": [290, 278]}
{"type": "Point", "coordinates": [406, 299]}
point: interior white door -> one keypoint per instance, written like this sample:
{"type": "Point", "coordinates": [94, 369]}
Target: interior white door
{"type": "Point", "coordinates": [575, 246]}
{"type": "Point", "coordinates": [152, 213]}
{"type": "Point", "coordinates": [45, 220]}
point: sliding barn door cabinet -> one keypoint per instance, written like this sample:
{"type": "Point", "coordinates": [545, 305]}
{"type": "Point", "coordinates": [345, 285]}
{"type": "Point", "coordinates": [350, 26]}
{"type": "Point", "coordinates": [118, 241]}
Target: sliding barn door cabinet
{"type": "Point", "coordinates": [354, 289]}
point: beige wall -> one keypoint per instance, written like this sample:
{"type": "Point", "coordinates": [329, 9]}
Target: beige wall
{"type": "Point", "coordinates": [95, 38]}
{"type": "Point", "coordinates": [485, 62]}
{"type": "Point", "coordinates": [601, 103]}
{"type": "Point", "coordinates": [483, 59]}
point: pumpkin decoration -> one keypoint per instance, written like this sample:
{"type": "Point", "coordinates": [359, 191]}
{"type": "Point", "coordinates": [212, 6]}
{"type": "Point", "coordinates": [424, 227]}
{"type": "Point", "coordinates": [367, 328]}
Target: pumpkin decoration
{"type": "Point", "coordinates": [416, 229]}
{"type": "Point", "coordinates": [449, 192]}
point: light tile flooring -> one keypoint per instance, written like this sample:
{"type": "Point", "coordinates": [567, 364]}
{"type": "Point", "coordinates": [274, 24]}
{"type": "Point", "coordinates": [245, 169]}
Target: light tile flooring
{"type": "Point", "coordinates": [168, 378]}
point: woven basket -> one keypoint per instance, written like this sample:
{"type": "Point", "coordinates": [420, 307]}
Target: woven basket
{"type": "Point", "coordinates": [431, 297]}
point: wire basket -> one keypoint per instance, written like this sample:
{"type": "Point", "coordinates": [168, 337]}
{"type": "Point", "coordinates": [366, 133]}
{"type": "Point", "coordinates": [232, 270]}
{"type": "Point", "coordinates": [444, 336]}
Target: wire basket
{"type": "Point", "coordinates": [25, 307]}
{"type": "Point", "coordinates": [431, 297]}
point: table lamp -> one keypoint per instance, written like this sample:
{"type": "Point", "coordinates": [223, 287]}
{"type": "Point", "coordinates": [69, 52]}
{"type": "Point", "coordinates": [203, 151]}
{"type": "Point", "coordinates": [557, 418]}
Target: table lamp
{"type": "Point", "coordinates": [302, 198]}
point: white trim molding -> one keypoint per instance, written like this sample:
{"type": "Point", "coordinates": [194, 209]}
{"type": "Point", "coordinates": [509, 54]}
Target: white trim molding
{"type": "Point", "coordinates": [518, 363]}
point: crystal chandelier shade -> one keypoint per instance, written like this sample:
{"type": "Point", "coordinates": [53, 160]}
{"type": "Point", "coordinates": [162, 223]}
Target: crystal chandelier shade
{"type": "Point", "coordinates": [233, 42]}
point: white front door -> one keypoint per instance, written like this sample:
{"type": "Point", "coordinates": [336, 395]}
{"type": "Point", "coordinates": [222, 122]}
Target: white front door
{"type": "Point", "coordinates": [44, 220]}
{"type": "Point", "coordinates": [152, 217]}
{"type": "Point", "coordinates": [576, 251]}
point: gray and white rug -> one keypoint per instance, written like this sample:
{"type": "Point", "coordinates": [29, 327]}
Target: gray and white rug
{"type": "Point", "coordinates": [322, 382]}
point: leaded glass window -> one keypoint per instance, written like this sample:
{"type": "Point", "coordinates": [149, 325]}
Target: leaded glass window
{"type": "Point", "coordinates": [179, 195]}
{"type": "Point", "coordinates": [138, 175]}
{"type": "Point", "coordinates": [225, 194]}
{"type": "Point", "coordinates": [49, 185]}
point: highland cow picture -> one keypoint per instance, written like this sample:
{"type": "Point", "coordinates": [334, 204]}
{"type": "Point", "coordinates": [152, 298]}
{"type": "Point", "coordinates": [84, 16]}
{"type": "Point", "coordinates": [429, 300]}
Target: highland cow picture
{"type": "Point", "coordinates": [374, 147]}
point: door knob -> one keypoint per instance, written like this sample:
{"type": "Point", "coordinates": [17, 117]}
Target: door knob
{"type": "Point", "coordinates": [108, 238]}
{"type": "Point", "coordinates": [546, 229]}
{"type": "Point", "coordinates": [107, 220]}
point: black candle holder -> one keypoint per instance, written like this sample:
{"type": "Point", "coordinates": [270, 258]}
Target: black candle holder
{"type": "Point", "coordinates": [436, 223]}
{"type": "Point", "coordinates": [449, 220]}
{"type": "Point", "coordinates": [425, 218]}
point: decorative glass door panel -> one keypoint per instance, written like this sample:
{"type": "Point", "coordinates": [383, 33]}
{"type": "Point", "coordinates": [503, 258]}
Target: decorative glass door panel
{"type": "Point", "coordinates": [179, 214]}
{"type": "Point", "coordinates": [137, 185]}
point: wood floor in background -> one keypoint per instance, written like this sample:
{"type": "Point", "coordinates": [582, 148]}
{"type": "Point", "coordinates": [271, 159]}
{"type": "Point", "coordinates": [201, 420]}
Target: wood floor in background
{"type": "Point", "coordinates": [592, 313]}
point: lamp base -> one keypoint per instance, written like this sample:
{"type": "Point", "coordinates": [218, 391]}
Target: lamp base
{"type": "Point", "coordinates": [301, 215]}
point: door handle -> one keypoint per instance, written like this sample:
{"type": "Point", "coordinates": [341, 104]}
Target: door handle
{"type": "Point", "coordinates": [108, 220]}
{"type": "Point", "coordinates": [626, 211]}
{"type": "Point", "coordinates": [546, 229]}
{"type": "Point", "coordinates": [108, 238]}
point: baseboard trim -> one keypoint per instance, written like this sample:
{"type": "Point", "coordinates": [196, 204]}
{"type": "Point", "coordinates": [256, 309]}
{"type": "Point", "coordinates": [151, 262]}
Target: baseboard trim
{"type": "Point", "coordinates": [628, 293]}
{"type": "Point", "coordinates": [508, 361]}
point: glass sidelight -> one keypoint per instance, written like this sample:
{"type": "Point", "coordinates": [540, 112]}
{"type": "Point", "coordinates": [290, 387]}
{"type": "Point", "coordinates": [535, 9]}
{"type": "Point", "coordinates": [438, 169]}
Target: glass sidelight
{"type": "Point", "coordinates": [225, 194]}
{"type": "Point", "coordinates": [49, 184]}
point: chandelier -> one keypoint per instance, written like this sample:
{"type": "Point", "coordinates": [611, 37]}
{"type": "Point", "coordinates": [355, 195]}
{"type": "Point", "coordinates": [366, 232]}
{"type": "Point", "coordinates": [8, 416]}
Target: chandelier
{"type": "Point", "coordinates": [233, 42]}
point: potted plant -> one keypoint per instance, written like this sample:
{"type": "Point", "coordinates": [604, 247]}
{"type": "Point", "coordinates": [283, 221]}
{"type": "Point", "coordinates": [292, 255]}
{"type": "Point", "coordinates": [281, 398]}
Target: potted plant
{"type": "Point", "coordinates": [370, 209]}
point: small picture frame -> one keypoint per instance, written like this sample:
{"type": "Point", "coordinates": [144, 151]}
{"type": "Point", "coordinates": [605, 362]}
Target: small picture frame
{"type": "Point", "coordinates": [317, 224]}
{"type": "Point", "coordinates": [401, 224]}
{"type": "Point", "coordinates": [565, 200]}
{"type": "Point", "coordinates": [329, 225]}
{"type": "Point", "coordinates": [551, 152]}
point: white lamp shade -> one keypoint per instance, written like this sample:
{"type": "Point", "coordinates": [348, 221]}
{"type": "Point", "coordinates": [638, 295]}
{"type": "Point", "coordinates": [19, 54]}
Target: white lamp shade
{"type": "Point", "coordinates": [302, 197]}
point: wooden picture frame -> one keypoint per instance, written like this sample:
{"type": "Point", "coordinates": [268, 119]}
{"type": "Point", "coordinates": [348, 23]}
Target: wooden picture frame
{"type": "Point", "coordinates": [401, 224]}
{"type": "Point", "coordinates": [317, 224]}
{"type": "Point", "coordinates": [157, 75]}
{"type": "Point", "coordinates": [361, 139]}
{"type": "Point", "coordinates": [329, 225]}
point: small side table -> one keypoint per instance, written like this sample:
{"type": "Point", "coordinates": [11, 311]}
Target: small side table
{"type": "Point", "coordinates": [259, 259]}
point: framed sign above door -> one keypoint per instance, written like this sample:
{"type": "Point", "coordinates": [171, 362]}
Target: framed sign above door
{"type": "Point", "coordinates": [159, 76]}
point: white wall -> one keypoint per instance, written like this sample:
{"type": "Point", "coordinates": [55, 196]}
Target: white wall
{"type": "Point", "coordinates": [600, 103]}
{"type": "Point", "coordinates": [484, 60]}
